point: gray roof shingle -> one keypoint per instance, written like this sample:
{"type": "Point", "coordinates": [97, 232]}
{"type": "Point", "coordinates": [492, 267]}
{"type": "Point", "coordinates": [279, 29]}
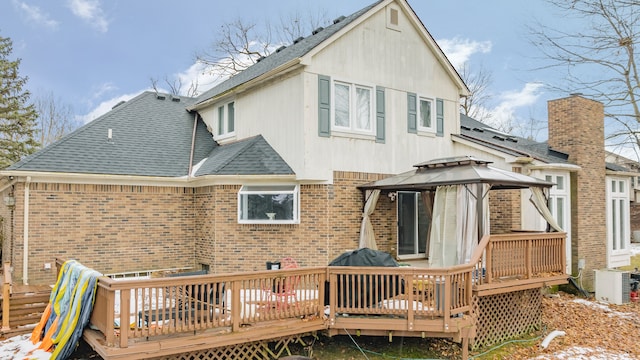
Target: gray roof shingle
{"type": "Point", "coordinates": [283, 56]}
{"type": "Point", "coordinates": [251, 156]}
{"type": "Point", "coordinates": [474, 130]}
{"type": "Point", "coordinates": [151, 137]}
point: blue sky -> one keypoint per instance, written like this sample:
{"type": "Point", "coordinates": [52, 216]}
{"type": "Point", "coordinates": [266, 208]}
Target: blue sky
{"type": "Point", "coordinates": [93, 53]}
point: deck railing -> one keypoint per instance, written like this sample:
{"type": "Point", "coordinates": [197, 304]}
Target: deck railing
{"type": "Point", "coordinates": [521, 256]}
{"type": "Point", "coordinates": [416, 299]}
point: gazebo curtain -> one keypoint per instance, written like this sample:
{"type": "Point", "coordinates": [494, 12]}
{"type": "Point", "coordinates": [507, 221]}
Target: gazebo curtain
{"type": "Point", "coordinates": [367, 236]}
{"type": "Point", "coordinates": [539, 200]}
{"type": "Point", "coordinates": [454, 228]}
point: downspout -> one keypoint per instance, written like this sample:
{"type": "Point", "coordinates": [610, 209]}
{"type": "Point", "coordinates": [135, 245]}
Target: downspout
{"type": "Point", "coordinates": [25, 232]}
{"type": "Point", "coordinates": [193, 144]}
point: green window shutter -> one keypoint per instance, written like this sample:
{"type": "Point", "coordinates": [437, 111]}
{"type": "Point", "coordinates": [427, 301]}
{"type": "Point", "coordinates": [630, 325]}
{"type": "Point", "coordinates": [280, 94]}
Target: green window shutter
{"type": "Point", "coordinates": [324, 106]}
{"type": "Point", "coordinates": [380, 126]}
{"type": "Point", "coordinates": [412, 113]}
{"type": "Point", "coordinates": [439, 117]}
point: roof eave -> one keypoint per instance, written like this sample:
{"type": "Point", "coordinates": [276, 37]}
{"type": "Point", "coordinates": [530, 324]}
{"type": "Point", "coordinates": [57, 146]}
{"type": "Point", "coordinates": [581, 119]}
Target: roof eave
{"type": "Point", "coordinates": [107, 179]}
{"type": "Point", "coordinates": [280, 70]}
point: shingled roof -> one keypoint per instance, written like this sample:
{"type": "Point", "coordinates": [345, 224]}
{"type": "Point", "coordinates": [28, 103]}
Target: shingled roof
{"type": "Point", "coordinates": [251, 156]}
{"type": "Point", "coordinates": [483, 134]}
{"type": "Point", "coordinates": [151, 135]}
{"type": "Point", "coordinates": [282, 56]}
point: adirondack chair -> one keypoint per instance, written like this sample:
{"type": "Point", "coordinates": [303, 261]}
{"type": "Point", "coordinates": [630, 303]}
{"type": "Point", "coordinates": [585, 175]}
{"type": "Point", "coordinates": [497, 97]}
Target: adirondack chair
{"type": "Point", "coordinates": [284, 291]}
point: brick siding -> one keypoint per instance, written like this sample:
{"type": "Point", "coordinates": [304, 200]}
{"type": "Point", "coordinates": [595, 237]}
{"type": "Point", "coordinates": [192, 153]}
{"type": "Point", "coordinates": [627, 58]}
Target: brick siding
{"type": "Point", "coordinates": [576, 126]}
{"type": "Point", "coordinates": [114, 228]}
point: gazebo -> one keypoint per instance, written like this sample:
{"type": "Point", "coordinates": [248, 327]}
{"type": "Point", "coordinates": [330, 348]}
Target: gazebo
{"type": "Point", "coordinates": [454, 194]}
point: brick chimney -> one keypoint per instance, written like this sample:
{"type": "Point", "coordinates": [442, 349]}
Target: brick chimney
{"type": "Point", "coordinates": [576, 127]}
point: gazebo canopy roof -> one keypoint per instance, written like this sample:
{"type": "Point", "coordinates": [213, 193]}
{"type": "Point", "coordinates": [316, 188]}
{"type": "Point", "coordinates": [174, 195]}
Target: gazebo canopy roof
{"type": "Point", "coordinates": [455, 171]}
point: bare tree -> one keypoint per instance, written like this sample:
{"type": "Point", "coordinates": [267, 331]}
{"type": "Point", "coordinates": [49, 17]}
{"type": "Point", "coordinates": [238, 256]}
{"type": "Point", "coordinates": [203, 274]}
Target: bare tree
{"type": "Point", "coordinates": [175, 86]}
{"type": "Point", "coordinates": [55, 119]}
{"type": "Point", "coordinates": [598, 60]}
{"type": "Point", "coordinates": [478, 82]}
{"type": "Point", "coordinates": [240, 43]}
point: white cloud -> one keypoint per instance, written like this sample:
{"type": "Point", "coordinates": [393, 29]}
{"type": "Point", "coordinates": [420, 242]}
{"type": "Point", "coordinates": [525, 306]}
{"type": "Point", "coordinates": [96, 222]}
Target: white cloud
{"type": "Point", "coordinates": [198, 75]}
{"type": "Point", "coordinates": [504, 114]}
{"type": "Point", "coordinates": [105, 107]}
{"type": "Point", "coordinates": [91, 12]}
{"type": "Point", "coordinates": [35, 15]}
{"type": "Point", "coordinates": [459, 50]}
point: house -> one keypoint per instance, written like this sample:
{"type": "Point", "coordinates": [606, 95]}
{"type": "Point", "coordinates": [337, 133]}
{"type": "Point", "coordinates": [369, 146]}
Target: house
{"type": "Point", "coordinates": [592, 197]}
{"type": "Point", "coordinates": [263, 166]}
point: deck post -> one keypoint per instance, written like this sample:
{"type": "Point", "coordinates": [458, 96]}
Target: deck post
{"type": "Point", "coordinates": [333, 297]}
{"type": "Point", "coordinates": [528, 258]}
{"type": "Point", "coordinates": [410, 313]}
{"type": "Point", "coordinates": [489, 262]}
{"type": "Point", "coordinates": [447, 301]}
{"type": "Point", "coordinates": [236, 305]}
{"type": "Point", "coordinates": [125, 302]}
{"type": "Point", "coordinates": [109, 330]}
{"type": "Point", "coordinates": [6, 295]}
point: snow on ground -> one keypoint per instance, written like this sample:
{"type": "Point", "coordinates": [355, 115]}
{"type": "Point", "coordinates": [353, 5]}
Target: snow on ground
{"type": "Point", "coordinates": [635, 249]}
{"type": "Point", "coordinates": [20, 347]}
{"type": "Point", "coordinates": [585, 353]}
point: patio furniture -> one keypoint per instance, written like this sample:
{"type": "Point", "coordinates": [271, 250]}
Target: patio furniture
{"type": "Point", "coordinates": [284, 290]}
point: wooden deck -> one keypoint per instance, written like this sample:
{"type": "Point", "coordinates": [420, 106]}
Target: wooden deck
{"type": "Point", "coordinates": [144, 318]}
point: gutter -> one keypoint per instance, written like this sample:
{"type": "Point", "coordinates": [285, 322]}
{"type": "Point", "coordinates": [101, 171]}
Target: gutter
{"type": "Point", "coordinates": [193, 144]}
{"type": "Point", "coordinates": [25, 232]}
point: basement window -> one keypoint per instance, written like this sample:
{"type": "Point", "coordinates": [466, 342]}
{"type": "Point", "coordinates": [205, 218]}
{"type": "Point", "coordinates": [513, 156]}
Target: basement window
{"type": "Point", "coordinates": [268, 204]}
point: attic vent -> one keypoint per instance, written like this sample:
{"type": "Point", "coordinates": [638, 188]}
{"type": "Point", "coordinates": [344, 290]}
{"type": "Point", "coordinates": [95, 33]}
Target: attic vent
{"type": "Point", "coordinates": [298, 40]}
{"type": "Point", "coordinates": [160, 97]}
{"type": "Point", "coordinates": [175, 99]}
{"type": "Point", "coordinates": [317, 30]}
{"type": "Point", "coordinates": [512, 140]}
{"type": "Point", "coordinates": [465, 127]}
{"type": "Point", "coordinates": [478, 130]}
{"type": "Point", "coordinates": [280, 48]}
{"type": "Point", "coordinates": [338, 19]}
{"type": "Point", "coordinates": [260, 59]}
{"type": "Point", "coordinates": [118, 104]}
{"type": "Point", "coordinates": [498, 137]}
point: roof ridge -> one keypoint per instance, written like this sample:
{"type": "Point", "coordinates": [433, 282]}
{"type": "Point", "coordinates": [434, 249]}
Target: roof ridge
{"type": "Point", "coordinates": [285, 55]}
{"type": "Point", "coordinates": [76, 132]}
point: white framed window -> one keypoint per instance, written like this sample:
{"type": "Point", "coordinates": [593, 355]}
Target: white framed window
{"type": "Point", "coordinates": [225, 120]}
{"type": "Point", "coordinates": [269, 204]}
{"type": "Point", "coordinates": [618, 215]}
{"type": "Point", "coordinates": [353, 109]}
{"type": "Point", "coordinates": [559, 200]}
{"type": "Point", "coordinates": [426, 114]}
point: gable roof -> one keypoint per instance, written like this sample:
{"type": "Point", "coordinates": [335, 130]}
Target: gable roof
{"type": "Point", "coordinates": [480, 133]}
{"type": "Point", "coordinates": [251, 156]}
{"type": "Point", "coordinates": [301, 47]}
{"type": "Point", "coordinates": [152, 136]}
{"type": "Point", "coordinates": [283, 56]}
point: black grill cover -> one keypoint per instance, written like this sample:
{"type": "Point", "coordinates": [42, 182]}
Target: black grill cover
{"type": "Point", "coordinates": [365, 297]}
{"type": "Point", "coordinates": [364, 257]}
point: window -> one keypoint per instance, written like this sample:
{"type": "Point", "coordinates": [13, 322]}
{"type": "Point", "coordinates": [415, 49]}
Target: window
{"type": "Point", "coordinates": [558, 200]}
{"type": "Point", "coordinates": [353, 107]}
{"type": "Point", "coordinates": [226, 120]}
{"type": "Point", "coordinates": [268, 204]}
{"type": "Point", "coordinates": [425, 115]}
{"type": "Point", "coordinates": [618, 215]}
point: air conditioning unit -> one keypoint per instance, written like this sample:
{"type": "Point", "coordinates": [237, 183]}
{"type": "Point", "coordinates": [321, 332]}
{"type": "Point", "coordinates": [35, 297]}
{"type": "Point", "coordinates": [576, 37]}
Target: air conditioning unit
{"type": "Point", "coordinates": [613, 286]}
